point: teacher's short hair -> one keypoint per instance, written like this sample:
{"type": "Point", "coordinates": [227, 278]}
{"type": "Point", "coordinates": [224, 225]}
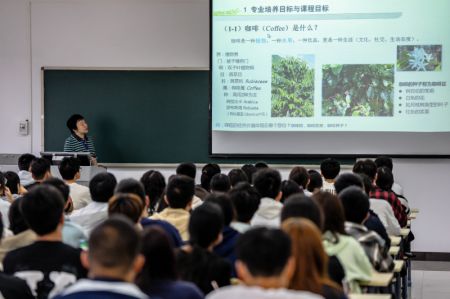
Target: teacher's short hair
{"type": "Point", "coordinates": [72, 122]}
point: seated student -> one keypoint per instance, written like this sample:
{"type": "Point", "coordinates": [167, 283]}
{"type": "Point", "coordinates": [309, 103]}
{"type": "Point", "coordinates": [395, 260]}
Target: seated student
{"type": "Point", "coordinates": [13, 184]}
{"type": "Point", "coordinates": [301, 206]}
{"type": "Point", "coordinates": [356, 208]}
{"type": "Point", "coordinates": [197, 262]}
{"type": "Point", "coordinates": [101, 188]}
{"type": "Point", "coordinates": [6, 198]}
{"type": "Point", "coordinates": [70, 172]}
{"type": "Point", "coordinates": [261, 165]}
{"type": "Point", "coordinates": [208, 171]}
{"type": "Point", "coordinates": [288, 188]}
{"type": "Point", "coordinates": [300, 175]}
{"type": "Point", "coordinates": [386, 161]}
{"type": "Point", "coordinates": [179, 194]}
{"type": "Point", "coordinates": [265, 273]}
{"type": "Point", "coordinates": [382, 191]}
{"type": "Point", "coordinates": [159, 278]}
{"type": "Point", "coordinates": [372, 222]}
{"type": "Point", "coordinates": [310, 259]}
{"type": "Point", "coordinates": [268, 183]}
{"type": "Point", "coordinates": [128, 205]}
{"type": "Point", "coordinates": [249, 170]}
{"type": "Point", "coordinates": [349, 252]}
{"type": "Point", "coordinates": [48, 265]}
{"type": "Point", "coordinates": [24, 163]}
{"type": "Point", "coordinates": [40, 171]}
{"type": "Point", "coordinates": [190, 170]}
{"type": "Point", "coordinates": [22, 234]}
{"type": "Point", "coordinates": [246, 200]}
{"type": "Point", "coordinates": [12, 287]}
{"type": "Point", "coordinates": [72, 233]}
{"type": "Point", "coordinates": [113, 260]}
{"type": "Point", "coordinates": [220, 183]}
{"type": "Point", "coordinates": [154, 184]}
{"type": "Point", "coordinates": [329, 169]}
{"type": "Point", "coordinates": [315, 181]}
{"type": "Point", "coordinates": [237, 176]}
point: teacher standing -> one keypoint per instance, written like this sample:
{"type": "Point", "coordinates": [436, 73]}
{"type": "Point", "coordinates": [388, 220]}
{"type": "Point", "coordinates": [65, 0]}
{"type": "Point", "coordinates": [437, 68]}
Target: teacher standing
{"type": "Point", "coordinates": [79, 141]}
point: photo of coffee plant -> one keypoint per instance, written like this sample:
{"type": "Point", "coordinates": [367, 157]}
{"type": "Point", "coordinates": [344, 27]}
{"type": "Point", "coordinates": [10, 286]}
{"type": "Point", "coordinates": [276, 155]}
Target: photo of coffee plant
{"type": "Point", "coordinates": [292, 86]}
{"type": "Point", "coordinates": [357, 89]}
{"type": "Point", "coordinates": [419, 58]}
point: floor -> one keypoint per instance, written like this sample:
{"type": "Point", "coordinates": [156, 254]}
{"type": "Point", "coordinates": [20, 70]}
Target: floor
{"type": "Point", "coordinates": [430, 280]}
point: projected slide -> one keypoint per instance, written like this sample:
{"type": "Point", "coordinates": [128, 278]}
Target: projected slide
{"type": "Point", "coordinates": [347, 65]}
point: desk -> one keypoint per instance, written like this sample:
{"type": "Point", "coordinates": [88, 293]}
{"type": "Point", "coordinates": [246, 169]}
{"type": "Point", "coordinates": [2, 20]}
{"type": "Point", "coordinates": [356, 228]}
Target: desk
{"type": "Point", "coordinates": [404, 232]}
{"type": "Point", "coordinates": [395, 241]}
{"type": "Point", "coordinates": [378, 280]}
{"type": "Point", "coordinates": [412, 216]}
{"type": "Point", "coordinates": [398, 266]}
{"type": "Point", "coordinates": [394, 250]}
{"type": "Point", "coordinates": [369, 296]}
{"type": "Point", "coordinates": [415, 210]}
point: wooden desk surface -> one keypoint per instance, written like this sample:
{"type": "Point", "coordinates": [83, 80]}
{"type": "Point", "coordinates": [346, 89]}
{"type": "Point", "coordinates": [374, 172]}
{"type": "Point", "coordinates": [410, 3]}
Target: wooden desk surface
{"type": "Point", "coordinates": [415, 210]}
{"type": "Point", "coordinates": [404, 232]}
{"type": "Point", "coordinates": [395, 241]}
{"type": "Point", "coordinates": [378, 280]}
{"type": "Point", "coordinates": [394, 250]}
{"type": "Point", "coordinates": [398, 265]}
{"type": "Point", "coordinates": [369, 296]}
{"type": "Point", "coordinates": [412, 216]}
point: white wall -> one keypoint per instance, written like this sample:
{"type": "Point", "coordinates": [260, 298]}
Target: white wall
{"type": "Point", "coordinates": [149, 33]}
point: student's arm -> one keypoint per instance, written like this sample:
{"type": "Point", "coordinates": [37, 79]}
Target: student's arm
{"type": "Point", "coordinates": [392, 225]}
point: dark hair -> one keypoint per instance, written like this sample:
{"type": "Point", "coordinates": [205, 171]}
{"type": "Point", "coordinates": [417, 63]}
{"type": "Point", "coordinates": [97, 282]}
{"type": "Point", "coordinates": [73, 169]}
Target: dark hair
{"type": "Point", "coordinates": [72, 122]}
{"type": "Point", "coordinates": [368, 167]}
{"type": "Point", "coordinates": [330, 168]}
{"type": "Point", "coordinates": [225, 204]}
{"type": "Point", "coordinates": [42, 207]}
{"type": "Point", "coordinates": [366, 182]}
{"type": "Point", "coordinates": [268, 182]}
{"type": "Point", "coordinates": [60, 186]}
{"type": "Point", "coordinates": [24, 161]}
{"type": "Point", "coordinates": [261, 165]}
{"type": "Point", "coordinates": [12, 182]}
{"type": "Point", "coordinates": [114, 243]}
{"type": "Point", "coordinates": [246, 200]}
{"type": "Point", "coordinates": [288, 188]}
{"type": "Point", "coordinates": [154, 185]}
{"type": "Point", "coordinates": [180, 191]}
{"type": "Point", "coordinates": [128, 204]}
{"type": "Point", "coordinates": [1, 225]}
{"type": "Point", "coordinates": [188, 169]}
{"type": "Point", "coordinates": [208, 171]}
{"type": "Point", "coordinates": [132, 186]}
{"type": "Point", "coordinates": [356, 204]}
{"type": "Point", "coordinates": [39, 167]}
{"type": "Point", "coordinates": [301, 206]}
{"type": "Point", "coordinates": [205, 225]}
{"type": "Point", "coordinates": [159, 257]}
{"type": "Point", "coordinates": [17, 223]}
{"type": "Point", "coordinates": [265, 251]}
{"type": "Point", "coordinates": [299, 175]}
{"type": "Point", "coordinates": [220, 183]}
{"type": "Point", "coordinates": [69, 167]}
{"type": "Point", "coordinates": [315, 180]}
{"type": "Point", "coordinates": [385, 178]}
{"type": "Point", "coordinates": [333, 213]}
{"type": "Point", "coordinates": [384, 161]}
{"type": "Point", "coordinates": [102, 186]}
{"type": "Point", "coordinates": [347, 179]}
{"type": "Point", "coordinates": [249, 170]}
{"type": "Point", "coordinates": [236, 176]}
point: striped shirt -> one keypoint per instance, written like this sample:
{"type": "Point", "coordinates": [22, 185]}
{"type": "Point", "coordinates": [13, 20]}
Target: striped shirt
{"type": "Point", "coordinates": [74, 143]}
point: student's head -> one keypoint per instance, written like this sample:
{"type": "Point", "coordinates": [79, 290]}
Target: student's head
{"type": "Point", "coordinates": [69, 168]}
{"type": "Point", "coordinates": [24, 161]}
{"type": "Point", "coordinates": [205, 225]}
{"type": "Point", "coordinates": [114, 247]}
{"type": "Point", "coordinates": [43, 207]}
{"type": "Point", "coordinates": [333, 212]}
{"type": "Point", "coordinates": [40, 169]}
{"type": "Point", "coordinates": [187, 169]}
{"type": "Point", "coordinates": [347, 179]}
{"type": "Point", "coordinates": [2, 183]}
{"type": "Point", "coordinates": [154, 185]}
{"type": "Point", "coordinates": [249, 170]}
{"type": "Point", "coordinates": [366, 182]}
{"type": "Point", "coordinates": [268, 183]}
{"type": "Point", "coordinates": [220, 183]}
{"type": "Point", "coordinates": [12, 182]}
{"type": "Point", "coordinates": [315, 181]}
{"type": "Point", "coordinates": [311, 261]}
{"type": "Point", "coordinates": [127, 204]}
{"type": "Point", "coordinates": [264, 253]}
{"type": "Point", "coordinates": [77, 123]}
{"type": "Point", "coordinates": [134, 187]}
{"type": "Point", "coordinates": [261, 165]}
{"type": "Point", "coordinates": [299, 175]}
{"type": "Point", "coordinates": [17, 223]}
{"type": "Point", "coordinates": [180, 192]}
{"type": "Point", "coordinates": [385, 178]}
{"type": "Point", "coordinates": [301, 206]}
{"type": "Point", "coordinates": [368, 167]}
{"type": "Point", "coordinates": [246, 200]}
{"type": "Point", "coordinates": [208, 171]}
{"type": "Point", "coordinates": [384, 161]}
{"type": "Point", "coordinates": [237, 176]}
{"type": "Point", "coordinates": [356, 204]}
{"type": "Point", "coordinates": [288, 188]}
{"type": "Point", "coordinates": [225, 204]}
{"type": "Point", "coordinates": [330, 168]}
{"type": "Point", "coordinates": [64, 190]}
{"type": "Point", "coordinates": [102, 187]}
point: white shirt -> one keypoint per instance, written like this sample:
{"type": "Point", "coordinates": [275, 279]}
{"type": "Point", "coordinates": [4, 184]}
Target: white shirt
{"type": "Point", "coordinates": [80, 195]}
{"type": "Point", "coordinates": [328, 187]}
{"type": "Point", "coordinates": [268, 213]}
{"type": "Point", "coordinates": [241, 291]}
{"type": "Point", "coordinates": [4, 209]}
{"type": "Point", "coordinates": [384, 211]}
{"type": "Point", "coordinates": [240, 226]}
{"type": "Point", "coordinates": [90, 216]}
